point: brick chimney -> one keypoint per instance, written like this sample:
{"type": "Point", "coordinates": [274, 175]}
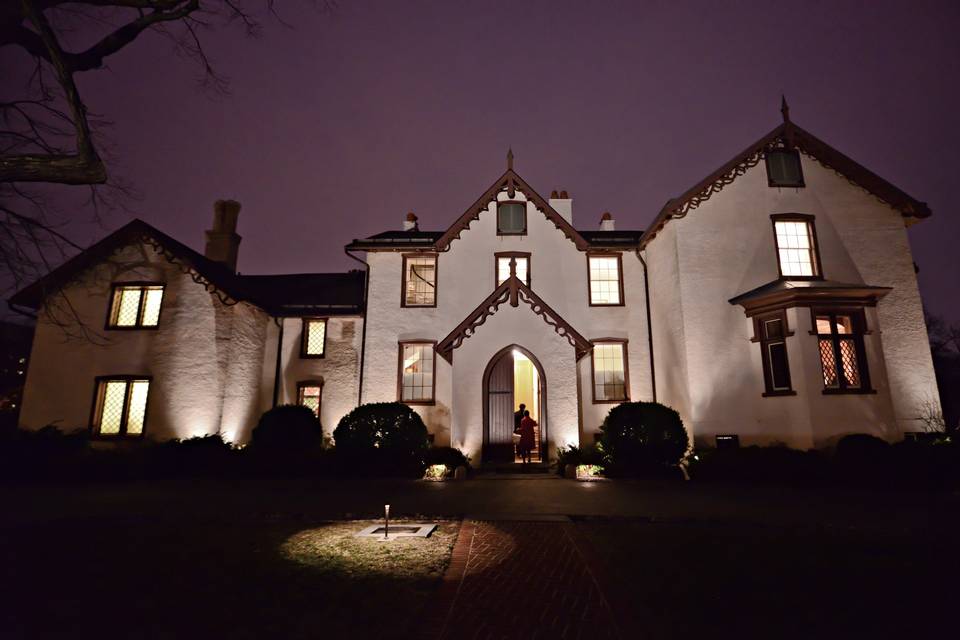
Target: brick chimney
{"type": "Point", "coordinates": [562, 204]}
{"type": "Point", "coordinates": [223, 243]}
{"type": "Point", "coordinates": [607, 223]}
{"type": "Point", "coordinates": [410, 222]}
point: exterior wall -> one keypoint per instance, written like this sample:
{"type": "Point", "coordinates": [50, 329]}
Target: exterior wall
{"type": "Point", "coordinates": [338, 369]}
{"type": "Point", "coordinates": [201, 348]}
{"type": "Point", "coordinates": [465, 276]}
{"type": "Point", "coordinates": [726, 247]}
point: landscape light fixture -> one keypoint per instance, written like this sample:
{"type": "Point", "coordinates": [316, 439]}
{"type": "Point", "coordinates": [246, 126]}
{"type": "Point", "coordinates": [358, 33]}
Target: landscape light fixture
{"type": "Point", "coordinates": [386, 522]}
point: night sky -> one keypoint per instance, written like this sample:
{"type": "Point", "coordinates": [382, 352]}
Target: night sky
{"type": "Point", "coordinates": [339, 125]}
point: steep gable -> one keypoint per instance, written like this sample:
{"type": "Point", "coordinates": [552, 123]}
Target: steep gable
{"type": "Point", "coordinates": [790, 136]}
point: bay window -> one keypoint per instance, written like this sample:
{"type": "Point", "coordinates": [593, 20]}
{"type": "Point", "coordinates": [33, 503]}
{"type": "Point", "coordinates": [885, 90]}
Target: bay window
{"type": "Point", "coordinates": [843, 359]}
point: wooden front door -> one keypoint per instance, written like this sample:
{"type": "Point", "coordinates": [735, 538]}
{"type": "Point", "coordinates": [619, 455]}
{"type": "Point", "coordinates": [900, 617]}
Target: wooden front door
{"type": "Point", "coordinates": [499, 436]}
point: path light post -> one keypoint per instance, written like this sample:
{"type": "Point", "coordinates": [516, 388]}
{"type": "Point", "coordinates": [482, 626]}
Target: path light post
{"type": "Point", "coordinates": [386, 522]}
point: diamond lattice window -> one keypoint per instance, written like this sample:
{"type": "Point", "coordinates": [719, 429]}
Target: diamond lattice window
{"type": "Point", "coordinates": [314, 338]}
{"type": "Point", "coordinates": [121, 407]}
{"type": "Point", "coordinates": [609, 372]}
{"type": "Point", "coordinates": [420, 281]}
{"type": "Point", "coordinates": [416, 372]}
{"type": "Point", "coordinates": [135, 306]}
{"type": "Point", "coordinates": [795, 248]}
{"type": "Point", "coordinates": [309, 396]}
{"type": "Point", "coordinates": [842, 354]}
{"type": "Point", "coordinates": [605, 283]}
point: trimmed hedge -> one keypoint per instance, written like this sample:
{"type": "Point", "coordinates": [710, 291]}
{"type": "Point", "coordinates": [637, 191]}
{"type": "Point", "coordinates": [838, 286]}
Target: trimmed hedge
{"type": "Point", "coordinates": [287, 429]}
{"type": "Point", "coordinates": [382, 438]}
{"type": "Point", "coordinates": [643, 438]}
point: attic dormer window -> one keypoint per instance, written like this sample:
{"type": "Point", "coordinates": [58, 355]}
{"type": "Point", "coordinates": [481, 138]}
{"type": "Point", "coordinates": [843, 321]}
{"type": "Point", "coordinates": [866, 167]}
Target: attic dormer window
{"type": "Point", "coordinates": [511, 219]}
{"type": "Point", "coordinates": [783, 168]}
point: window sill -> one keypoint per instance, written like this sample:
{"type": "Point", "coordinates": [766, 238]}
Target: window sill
{"type": "Point", "coordinates": [849, 392]}
{"type": "Point", "coordinates": [312, 356]}
{"type": "Point", "coordinates": [620, 401]}
{"type": "Point", "coordinates": [785, 185]}
{"type": "Point", "coordinates": [137, 328]}
{"type": "Point", "coordinates": [774, 394]}
{"type": "Point", "coordinates": [418, 306]}
{"type": "Point", "coordinates": [420, 403]}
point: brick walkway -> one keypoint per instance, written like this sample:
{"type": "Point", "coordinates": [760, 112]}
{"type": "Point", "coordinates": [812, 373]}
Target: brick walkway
{"type": "Point", "coordinates": [519, 580]}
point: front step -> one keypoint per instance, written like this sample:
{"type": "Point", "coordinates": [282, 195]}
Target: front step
{"type": "Point", "coordinates": [513, 468]}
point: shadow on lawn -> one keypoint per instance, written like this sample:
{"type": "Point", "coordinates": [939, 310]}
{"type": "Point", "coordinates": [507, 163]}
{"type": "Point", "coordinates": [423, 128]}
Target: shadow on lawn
{"type": "Point", "coordinates": [151, 577]}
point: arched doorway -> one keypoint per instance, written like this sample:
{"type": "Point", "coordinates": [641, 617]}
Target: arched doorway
{"type": "Point", "coordinates": [513, 376]}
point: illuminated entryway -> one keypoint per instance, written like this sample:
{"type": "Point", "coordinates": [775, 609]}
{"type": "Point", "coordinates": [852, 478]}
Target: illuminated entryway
{"type": "Point", "coordinates": [513, 377]}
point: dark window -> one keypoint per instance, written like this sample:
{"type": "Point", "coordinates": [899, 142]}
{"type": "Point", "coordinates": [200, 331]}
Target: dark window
{"type": "Point", "coordinates": [783, 168]}
{"type": "Point", "coordinates": [511, 218]}
{"type": "Point", "coordinates": [771, 332]}
{"type": "Point", "coordinates": [842, 357]}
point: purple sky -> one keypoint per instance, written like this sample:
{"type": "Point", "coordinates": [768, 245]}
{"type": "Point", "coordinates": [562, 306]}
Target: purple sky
{"type": "Point", "coordinates": [338, 126]}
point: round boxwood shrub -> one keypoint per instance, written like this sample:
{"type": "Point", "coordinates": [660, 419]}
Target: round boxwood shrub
{"type": "Point", "coordinates": [382, 437]}
{"type": "Point", "coordinates": [643, 437]}
{"type": "Point", "coordinates": [287, 428]}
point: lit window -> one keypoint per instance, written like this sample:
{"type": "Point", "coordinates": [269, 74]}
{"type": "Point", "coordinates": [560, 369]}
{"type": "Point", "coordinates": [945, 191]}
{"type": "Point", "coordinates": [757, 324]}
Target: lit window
{"type": "Point", "coordinates": [121, 407]}
{"type": "Point", "coordinates": [313, 340]}
{"type": "Point", "coordinates": [796, 247]}
{"type": "Point", "coordinates": [420, 281]}
{"type": "Point", "coordinates": [511, 218]}
{"type": "Point", "coordinates": [784, 169]}
{"type": "Point", "coordinates": [135, 306]}
{"type": "Point", "coordinates": [308, 395]}
{"type": "Point", "coordinates": [772, 334]}
{"type": "Point", "coordinates": [609, 372]}
{"type": "Point", "coordinates": [416, 372]}
{"type": "Point", "coordinates": [842, 357]}
{"type": "Point", "coordinates": [606, 287]}
{"type": "Point", "coordinates": [503, 269]}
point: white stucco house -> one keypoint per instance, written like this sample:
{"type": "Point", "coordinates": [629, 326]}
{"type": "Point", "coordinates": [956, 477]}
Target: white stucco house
{"type": "Point", "coordinates": [775, 301]}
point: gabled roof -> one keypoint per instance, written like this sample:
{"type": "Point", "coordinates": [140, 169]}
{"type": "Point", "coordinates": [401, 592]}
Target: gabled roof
{"type": "Point", "coordinates": [279, 295]}
{"type": "Point", "coordinates": [514, 291]}
{"type": "Point", "coordinates": [787, 135]}
{"type": "Point", "coordinates": [511, 182]}
{"type": "Point", "coordinates": [783, 293]}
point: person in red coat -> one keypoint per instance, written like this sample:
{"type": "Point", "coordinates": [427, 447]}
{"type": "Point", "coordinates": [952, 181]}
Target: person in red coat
{"type": "Point", "coordinates": [526, 444]}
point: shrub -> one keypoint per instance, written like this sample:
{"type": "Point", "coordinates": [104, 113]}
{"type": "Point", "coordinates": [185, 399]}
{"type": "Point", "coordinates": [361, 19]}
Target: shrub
{"type": "Point", "coordinates": [286, 429]}
{"type": "Point", "coordinates": [193, 456]}
{"type": "Point", "coordinates": [447, 456]}
{"type": "Point", "coordinates": [760, 465]}
{"type": "Point", "coordinates": [588, 454]}
{"type": "Point", "coordinates": [383, 437]}
{"type": "Point", "coordinates": [643, 438]}
{"type": "Point", "coordinates": [860, 447]}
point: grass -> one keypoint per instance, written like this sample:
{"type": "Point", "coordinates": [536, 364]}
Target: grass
{"type": "Point", "coordinates": [735, 580]}
{"type": "Point", "coordinates": [154, 577]}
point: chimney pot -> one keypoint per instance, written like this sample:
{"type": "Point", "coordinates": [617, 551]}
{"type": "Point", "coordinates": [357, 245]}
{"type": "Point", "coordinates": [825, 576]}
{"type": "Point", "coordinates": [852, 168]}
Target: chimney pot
{"type": "Point", "coordinates": [554, 195]}
{"type": "Point", "coordinates": [410, 222]}
{"type": "Point", "coordinates": [607, 223]}
{"type": "Point", "coordinates": [564, 196]}
{"type": "Point", "coordinates": [223, 242]}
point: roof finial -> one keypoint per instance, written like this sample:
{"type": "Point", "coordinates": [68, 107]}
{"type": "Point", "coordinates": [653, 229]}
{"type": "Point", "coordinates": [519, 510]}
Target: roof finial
{"type": "Point", "coordinates": [510, 158]}
{"type": "Point", "coordinates": [784, 108]}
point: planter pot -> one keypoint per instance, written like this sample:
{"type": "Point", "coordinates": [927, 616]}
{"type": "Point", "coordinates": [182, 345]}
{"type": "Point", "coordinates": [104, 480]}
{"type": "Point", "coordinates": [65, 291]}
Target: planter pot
{"type": "Point", "coordinates": [460, 473]}
{"type": "Point", "coordinates": [570, 471]}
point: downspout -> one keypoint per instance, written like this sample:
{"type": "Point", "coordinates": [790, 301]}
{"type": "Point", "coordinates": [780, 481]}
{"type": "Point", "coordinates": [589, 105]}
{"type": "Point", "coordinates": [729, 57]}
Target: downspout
{"type": "Point", "coordinates": [276, 373]}
{"type": "Point", "coordinates": [646, 293]}
{"type": "Point", "coordinates": [363, 332]}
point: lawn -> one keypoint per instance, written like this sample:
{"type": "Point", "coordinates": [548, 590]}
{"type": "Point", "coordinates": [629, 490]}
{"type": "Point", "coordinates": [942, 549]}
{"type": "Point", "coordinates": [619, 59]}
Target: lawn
{"type": "Point", "coordinates": [703, 580]}
{"type": "Point", "coordinates": [165, 577]}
